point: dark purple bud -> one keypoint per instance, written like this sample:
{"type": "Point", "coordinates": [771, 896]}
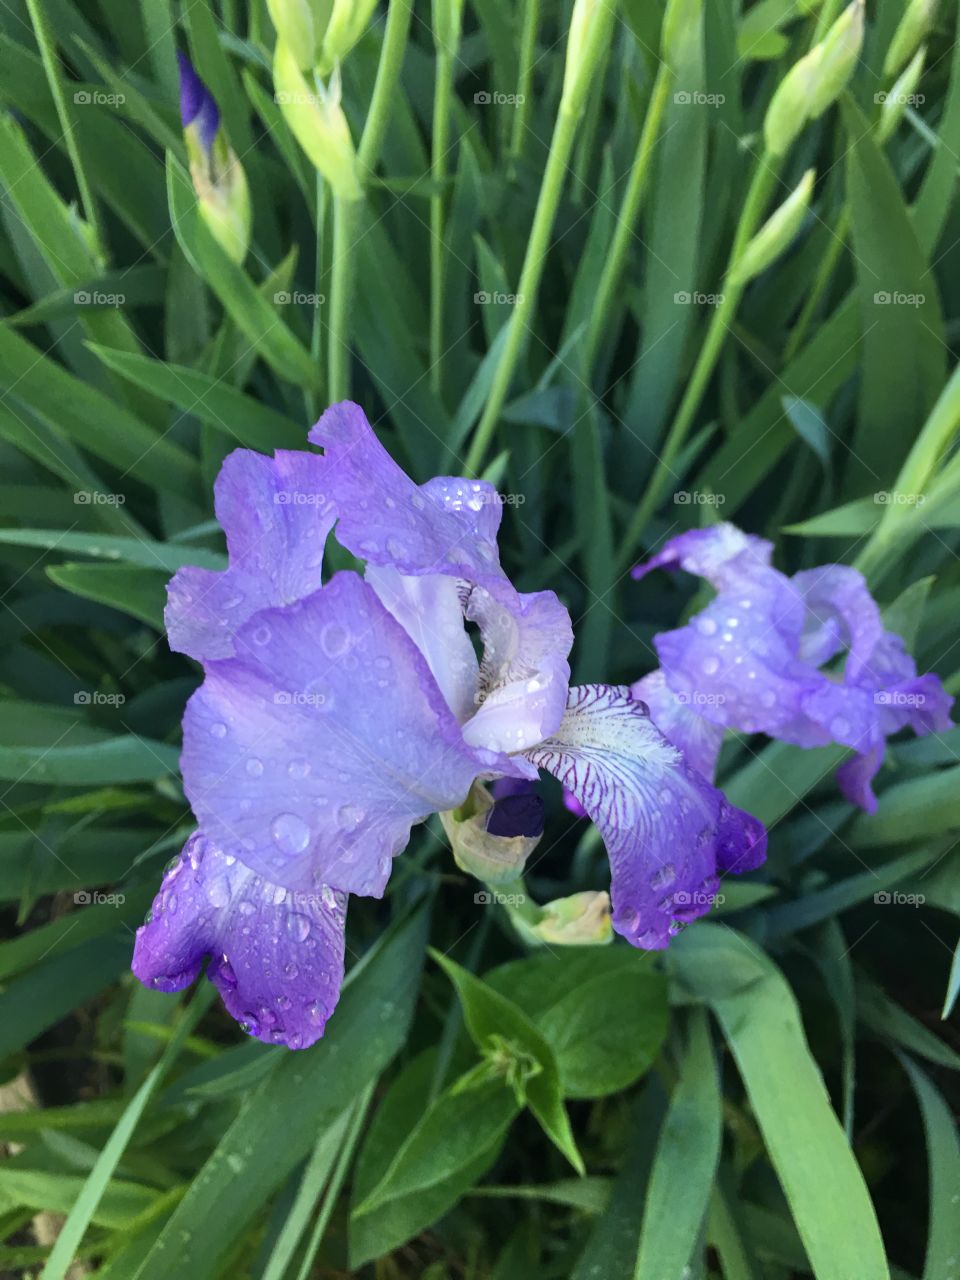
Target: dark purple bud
{"type": "Point", "coordinates": [518, 815]}
{"type": "Point", "coordinates": [197, 106]}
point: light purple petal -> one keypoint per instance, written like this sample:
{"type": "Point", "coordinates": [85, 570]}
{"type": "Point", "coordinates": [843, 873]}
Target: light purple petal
{"type": "Point", "coordinates": [197, 105]}
{"type": "Point", "coordinates": [841, 615]}
{"type": "Point", "coordinates": [680, 722]}
{"type": "Point", "coordinates": [723, 554]}
{"type": "Point", "coordinates": [276, 516]}
{"type": "Point", "coordinates": [524, 675]}
{"type": "Point", "coordinates": [276, 957]}
{"type": "Point", "coordinates": [855, 778]}
{"type": "Point", "coordinates": [448, 527]}
{"type": "Point", "coordinates": [430, 610]}
{"type": "Point", "coordinates": [315, 750]}
{"type": "Point", "coordinates": [386, 519]}
{"type": "Point", "coordinates": [667, 830]}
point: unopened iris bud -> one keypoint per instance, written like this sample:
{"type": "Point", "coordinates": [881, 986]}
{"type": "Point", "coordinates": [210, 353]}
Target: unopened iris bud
{"type": "Point", "coordinates": [895, 102]}
{"type": "Point", "coordinates": [300, 24]}
{"type": "Point", "coordinates": [913, 28]}
{"type": "Point", "coordinates": [348, 21]}
{"type": "Point", "coordinates": [816, 81]}
{"type": "Point", "coordinates": [590, 24]}
{"type": "Point", "coordinates": [492, 839]}
{"type": "Point", "coordinates": [316, 120]}
{"type": "Point", "coordinates": [218, 176]}
{"type": "Point", "coordinates": [582, 920]}
{"type": "Point", "coordinates": [775, 235]}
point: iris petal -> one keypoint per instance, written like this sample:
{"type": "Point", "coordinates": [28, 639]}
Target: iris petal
{"type": "Point", "coordinates": [276, 957]}
{"type": "Point", "coordinates": [316, 748]}
{"type": "Point", "coordinates": [667, 830]}
{"type": "Point", "coordinates": [276, 516]}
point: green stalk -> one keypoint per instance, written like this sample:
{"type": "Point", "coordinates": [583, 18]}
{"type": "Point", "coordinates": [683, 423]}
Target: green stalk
{"type": "Point", "coordinates": [589, 33]}
{"type": "Point", "coordinates": [346, 211]}
{"type": "Point", "coordinates": [342, 271]}
{"type": "Point", "coordinates": [51, 65]}
{"type": "Point", "coordinates": [528, 47]}
{"type": "Point", "coordinates": [633, 197]}
{"type": "Point", "coordinates": [761, 186]}
{"type": "Point", "coordinates": [443, 88]}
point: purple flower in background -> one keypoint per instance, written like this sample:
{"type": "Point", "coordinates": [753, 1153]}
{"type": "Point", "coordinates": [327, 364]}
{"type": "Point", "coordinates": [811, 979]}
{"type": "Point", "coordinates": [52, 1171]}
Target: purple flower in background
{"type": "Point", "coordinates": [764, 657]}
{"type": "Point", "coordinates": [337, 712]}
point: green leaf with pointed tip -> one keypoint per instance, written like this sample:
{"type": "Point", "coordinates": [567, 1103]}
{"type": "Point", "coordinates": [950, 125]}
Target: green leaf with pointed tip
{"type": "Point", "coordinates": [489, 1014]}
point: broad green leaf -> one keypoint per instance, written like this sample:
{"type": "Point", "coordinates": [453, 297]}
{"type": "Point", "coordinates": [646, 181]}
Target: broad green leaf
{"type": "Point", "coordinates": [943, 1163]}
{"type": "Point", "coordinates": [142, 595]}
{"type": "Point", "coordinates": [819, 1173]}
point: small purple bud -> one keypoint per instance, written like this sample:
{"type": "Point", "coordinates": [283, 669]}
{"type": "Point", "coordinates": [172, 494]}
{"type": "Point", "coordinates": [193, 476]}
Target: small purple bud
{"type": "Point", "coordinates": [517, 815]}
{"type": "Point", "coordinates": [197, 106]}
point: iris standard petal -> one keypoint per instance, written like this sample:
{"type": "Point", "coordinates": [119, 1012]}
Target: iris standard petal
{"type": "Point", "coordinates": [723, 554]}
{"type": "Point", "coordinates": [276, 517]}
{"type": "Point", "coordinates": [315, 749]}
{"type": "Point", "coordinates": [276, 957]}
{"type": "Point", "coordinates": [448, 527]}
{"type": "Point", "coordinates": [666, 829]}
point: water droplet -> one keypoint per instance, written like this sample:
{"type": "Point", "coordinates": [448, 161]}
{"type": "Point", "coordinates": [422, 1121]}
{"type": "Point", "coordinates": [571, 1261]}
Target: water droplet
{"type": "Point", "coordinates": [291, 971]}
{"type": "Point", "coordinates": [349, 816]}
{"type": "Point", "coordinates": [316, 1013]}
{"type": "Point", "coordinates": [262, 634]}
{"type": "Point", "coordinates": [254, 767]}
{"type": "Point", "coordinates": [710, 666]}
{"type": "Point", "coordinates": [839, 726]}
{"type": "Point", "coordinates": [298, 926]}
{"type": "Point", "coordinates": [246, 908]}
{"type": "Point", "coordinates": [706, 626]}
{"type": "Point", "coordinates": [298, 768]}
{"type": "Point", "coordinates": [218, 893]}
{"type": "Point", "coordinates": [291, 833]}
{"type": "Point", "coordinates": [334, 640]}
{"type": "Point", "coordinates": [225, 972]}
{"type": "Point", "coordinates": [663, 878]}
{"type": "Point", "coordinates": [219, 730]}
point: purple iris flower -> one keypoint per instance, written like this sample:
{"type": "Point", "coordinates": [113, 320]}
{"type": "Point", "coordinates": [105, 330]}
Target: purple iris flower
{"type": "Point", "coordinates": [336, 713]}
{"type": "Point", "coordinates": [197, 106]}
{"type": "Point", "coordinates": [804, 659]}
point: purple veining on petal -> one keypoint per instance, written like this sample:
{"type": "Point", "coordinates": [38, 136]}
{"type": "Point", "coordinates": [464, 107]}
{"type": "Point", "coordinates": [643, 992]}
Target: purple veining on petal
{"type": "Point", "coordinates": [751, 659]}
{"type": "Point", "coordinates": [678, 720]}
{"type": "Point", "coordinates": [666, 829]}
{"type": "Point", "coordinates": [276, 516]}
{"type": "Point", "coordinates": [197, 104]}
{"type": "Point", "coordinates": [276, 957]}
{"type": "Point", "coordinates": [315, 750]}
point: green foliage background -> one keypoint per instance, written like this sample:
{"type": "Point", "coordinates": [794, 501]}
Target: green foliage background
{"type": "Point", "coordinates": [771, 1098]}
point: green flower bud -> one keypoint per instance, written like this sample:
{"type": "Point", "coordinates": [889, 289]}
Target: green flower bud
{"type": "Point", "coordinates": [225, 202]}
{"type": "Point", "coordinates": [582, 920]}
{"type": "Point", "coordinates": [317, 121]}
{"type": "Point", "coordinates": [493, 859]}
{"type": "Point", "coordinates": [816, 81]}
{"type": "Point", "coordinates": [895, 102]}
{"type": "Point", "coordinates": [775, 235]}
{"type": "Point", "coordinates": [913, 28]}
{"type": "Point", "coordinates": [590, 25]}
{"type": "Point", "coordinates": [300, 24]}
{"type": "Point", "coordinates": [348, 21]}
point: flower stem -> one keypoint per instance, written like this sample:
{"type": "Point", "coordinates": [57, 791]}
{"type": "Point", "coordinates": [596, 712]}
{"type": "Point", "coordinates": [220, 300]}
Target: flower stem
{"type": "Point", "coordinates": [610, 277]}
{"type": "Point", "coordinates": [346, 211]}
{"type": "Point", "coordinates": [342, 271]}
{"type": "Point", "coordinates": [761, 185]}
{"type": "Point", "coordinates": [591, 26]}
{"type": "Point", "coordinates": [528, 47]}
{"type": "Point", "coordinates": [443, 88]}
{"type": "Point", "coordinates": [51, 65]}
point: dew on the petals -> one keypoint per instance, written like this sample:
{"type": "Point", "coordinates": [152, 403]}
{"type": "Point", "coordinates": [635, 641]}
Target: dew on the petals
{"type": "Point", "coordinates": [298, 926]}
{"type": "Point", "coordinates": [219, 730]}
{"type": "Point", "coordinates": [290, 833]}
